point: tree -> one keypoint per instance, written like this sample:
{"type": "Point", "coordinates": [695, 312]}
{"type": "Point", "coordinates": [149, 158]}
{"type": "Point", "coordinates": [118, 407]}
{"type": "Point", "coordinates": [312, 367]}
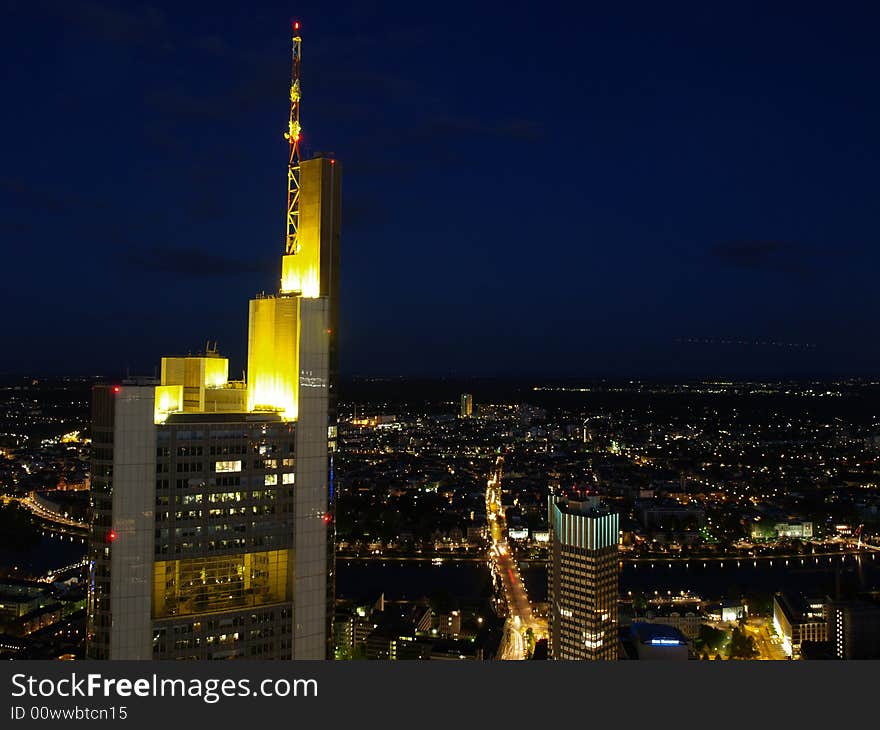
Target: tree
{"type": "Point", "coordinates": [742, 645]}
{"type": "Point", "coordinates": [713, 639]}
{"type": "Point", "coordinates": [530, 641]}
{"type": "Point", "coordinates": [640, 603]}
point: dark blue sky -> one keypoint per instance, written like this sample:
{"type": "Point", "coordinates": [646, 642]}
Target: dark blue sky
{"type": "Point", "coordinates": [542, 188]}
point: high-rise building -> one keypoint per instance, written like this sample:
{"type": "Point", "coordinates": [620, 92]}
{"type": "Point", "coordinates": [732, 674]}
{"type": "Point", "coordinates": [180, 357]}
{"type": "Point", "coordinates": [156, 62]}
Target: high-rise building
{"type": "Point", "coordinates": [212, 499]}
{"type": "Point", "coordinates": [583, 579]}
{"type": "Point", "coordinates": [854, 628]}
{"type": "Point", "coordinates": [467, 405]}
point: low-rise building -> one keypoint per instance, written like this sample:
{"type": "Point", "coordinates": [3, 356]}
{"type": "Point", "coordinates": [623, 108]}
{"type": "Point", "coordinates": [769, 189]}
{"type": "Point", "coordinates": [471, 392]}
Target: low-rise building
{"type": "Point", "coordinates": [653, 642]}
{"type": "Point", "coordinates": [798, 619]}
{"type": "Point", "coordinates": [687, 622]}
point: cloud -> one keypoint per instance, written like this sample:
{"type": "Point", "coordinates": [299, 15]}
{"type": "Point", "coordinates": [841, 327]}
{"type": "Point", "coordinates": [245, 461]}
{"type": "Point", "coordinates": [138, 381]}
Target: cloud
{"type": "Point", "coordinates": [15, 227]}
{"type": "Point", "coordinates": [178, 105]}
{"type": "Point", "coordinates": [127, 24]}
{"type": "Point", "coordinates": [211, 44]}
{"type": "Point", "coordinates": [363, 213]}
{"type": "Point", "coordinates": [520, 129]}
{"type": "Point", "coordinates": [364, 80]}
{"type": "Point", "coordinates": [359, 45]}
{"type": "Point", "coordinates": [764, 255]}
{"type": "Point", "coordinates": [195, 263]}
{"type": "Point", "coordinates": [43, 198]}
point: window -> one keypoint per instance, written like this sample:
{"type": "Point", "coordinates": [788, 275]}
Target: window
{"type": "Point", "coordinates": [222, 466]}
{"type": "Point", "coordinates": [288, 478]}
{"type": "Point", "coordinates": [271, 480]}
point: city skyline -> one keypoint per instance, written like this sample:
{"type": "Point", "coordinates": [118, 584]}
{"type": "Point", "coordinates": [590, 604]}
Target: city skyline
{"type": "Point", "coordinates": [692, 189]}
{"type": "Point", "coordinates": [575, 366]}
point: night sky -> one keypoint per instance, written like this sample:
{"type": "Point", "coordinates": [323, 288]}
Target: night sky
{"type": "Point", "coordinates": [541, 189]}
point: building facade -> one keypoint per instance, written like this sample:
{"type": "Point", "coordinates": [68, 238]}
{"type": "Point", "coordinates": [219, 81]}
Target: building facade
{"type": "Point", "coordinates": [583, 580]}
{"type": "Point", "coordinates": [854, 628]}
{"type": "Point", "coordinates": [212, 500]}
{"type": "Point", "coordinates": [797, 619]}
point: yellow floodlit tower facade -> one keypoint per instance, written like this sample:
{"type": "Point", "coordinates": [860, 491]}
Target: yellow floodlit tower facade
{"type": "Point", "coordinates": [309, 270]}
{"type": "Point", "coordinates": [273, 355]}
{"type": "Point", "coordinates": [213, 508]}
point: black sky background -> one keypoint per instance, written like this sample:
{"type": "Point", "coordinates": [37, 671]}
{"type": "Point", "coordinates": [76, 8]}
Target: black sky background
{"type": "Point", "coordinates": [626, 189]}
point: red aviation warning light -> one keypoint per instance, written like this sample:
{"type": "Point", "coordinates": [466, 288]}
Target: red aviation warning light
{"type": "Point", "coordinates": [328, 518]}
{"type": "Point", "coordinates": [111, 536]}
{"type": "Point", "coordinates": [116, 388]}
{"type": "Point", "coordinates": [296, 25]}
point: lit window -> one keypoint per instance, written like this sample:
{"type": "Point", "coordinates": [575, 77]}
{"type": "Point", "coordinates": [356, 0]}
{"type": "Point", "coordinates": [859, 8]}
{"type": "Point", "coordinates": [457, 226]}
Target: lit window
{"type": "Point", "coordinates": [222, 466]}
{"type": "Point", "coordinates": [287, 462]}
{"type": "Point", "coordinates": [288, 478]}
{"type": "Point", "coordinates": [271, 480]}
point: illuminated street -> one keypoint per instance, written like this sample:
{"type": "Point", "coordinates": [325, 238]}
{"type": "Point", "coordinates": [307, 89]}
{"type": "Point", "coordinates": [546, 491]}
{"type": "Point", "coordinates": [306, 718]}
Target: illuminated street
{"type": "Point", "coordinates": [769, 645]}
{"type": "Point", "coordinates": [38, 510]}
{"type": "Point", "coordinates": [513, 644]}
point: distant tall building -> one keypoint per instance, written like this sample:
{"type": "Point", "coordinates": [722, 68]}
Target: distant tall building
{"type": "Point", "coordinates": [583, 580]}
{"type": "Point", "coordinates": [212, 499]}
{"type": "Point", "coordinates": [467, 405]}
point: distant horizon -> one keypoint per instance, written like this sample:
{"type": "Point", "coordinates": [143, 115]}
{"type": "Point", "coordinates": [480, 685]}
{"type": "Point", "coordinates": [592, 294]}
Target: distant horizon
{"type": "Point", "coordinates": [535, 380]}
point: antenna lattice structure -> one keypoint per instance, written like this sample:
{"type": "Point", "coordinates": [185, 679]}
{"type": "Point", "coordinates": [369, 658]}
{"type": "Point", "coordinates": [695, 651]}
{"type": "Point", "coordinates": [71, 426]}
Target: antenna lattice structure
{"type": "Point", "coordinates": [293, 135]}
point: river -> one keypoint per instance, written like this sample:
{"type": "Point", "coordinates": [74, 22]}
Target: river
{"type": "Point", "coordinates": [365, 580]}
{"type": "Point", "coordinates": [410, 580]}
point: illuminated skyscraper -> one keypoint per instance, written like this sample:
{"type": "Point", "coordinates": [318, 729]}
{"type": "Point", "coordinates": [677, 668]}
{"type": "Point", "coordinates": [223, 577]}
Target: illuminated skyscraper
{"type": "Point", "coordinates": [582, 580]}
{"type": "Point", "coordinates": [212, 527]}
{"type": "Point", "coordinates": [467, 405]}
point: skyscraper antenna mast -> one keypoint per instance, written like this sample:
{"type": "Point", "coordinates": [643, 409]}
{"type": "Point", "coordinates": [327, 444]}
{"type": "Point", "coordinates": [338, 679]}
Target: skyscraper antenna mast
{"type": "Point", "coordinates": [293, 135]}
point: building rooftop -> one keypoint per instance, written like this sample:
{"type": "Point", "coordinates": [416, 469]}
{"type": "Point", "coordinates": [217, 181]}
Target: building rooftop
{"type": "Point", "coordinates": [589, 507]}
{"type": "Point", "coordinates": [798, 608]}
{"type": "Point", "coordinates": [657, 634]}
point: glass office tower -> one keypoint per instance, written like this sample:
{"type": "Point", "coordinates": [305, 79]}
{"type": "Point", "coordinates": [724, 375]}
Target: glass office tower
{"type": "Point", "coordinates": [583, 580]}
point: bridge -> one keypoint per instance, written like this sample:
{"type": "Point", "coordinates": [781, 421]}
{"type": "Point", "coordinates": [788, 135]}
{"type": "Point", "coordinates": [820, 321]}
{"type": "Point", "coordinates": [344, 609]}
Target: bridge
{"type": "Point", "coordinates": [55, 521]}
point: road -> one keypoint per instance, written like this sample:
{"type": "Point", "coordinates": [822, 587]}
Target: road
{"type": "Point", "coordinates": [769, 647]}
{"type": "Point", "coordinates": [520, 619]}
{"type": "Point", "coordinates": [30, 504]}
{"type": "Point", "coordinates": [68, 571]}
